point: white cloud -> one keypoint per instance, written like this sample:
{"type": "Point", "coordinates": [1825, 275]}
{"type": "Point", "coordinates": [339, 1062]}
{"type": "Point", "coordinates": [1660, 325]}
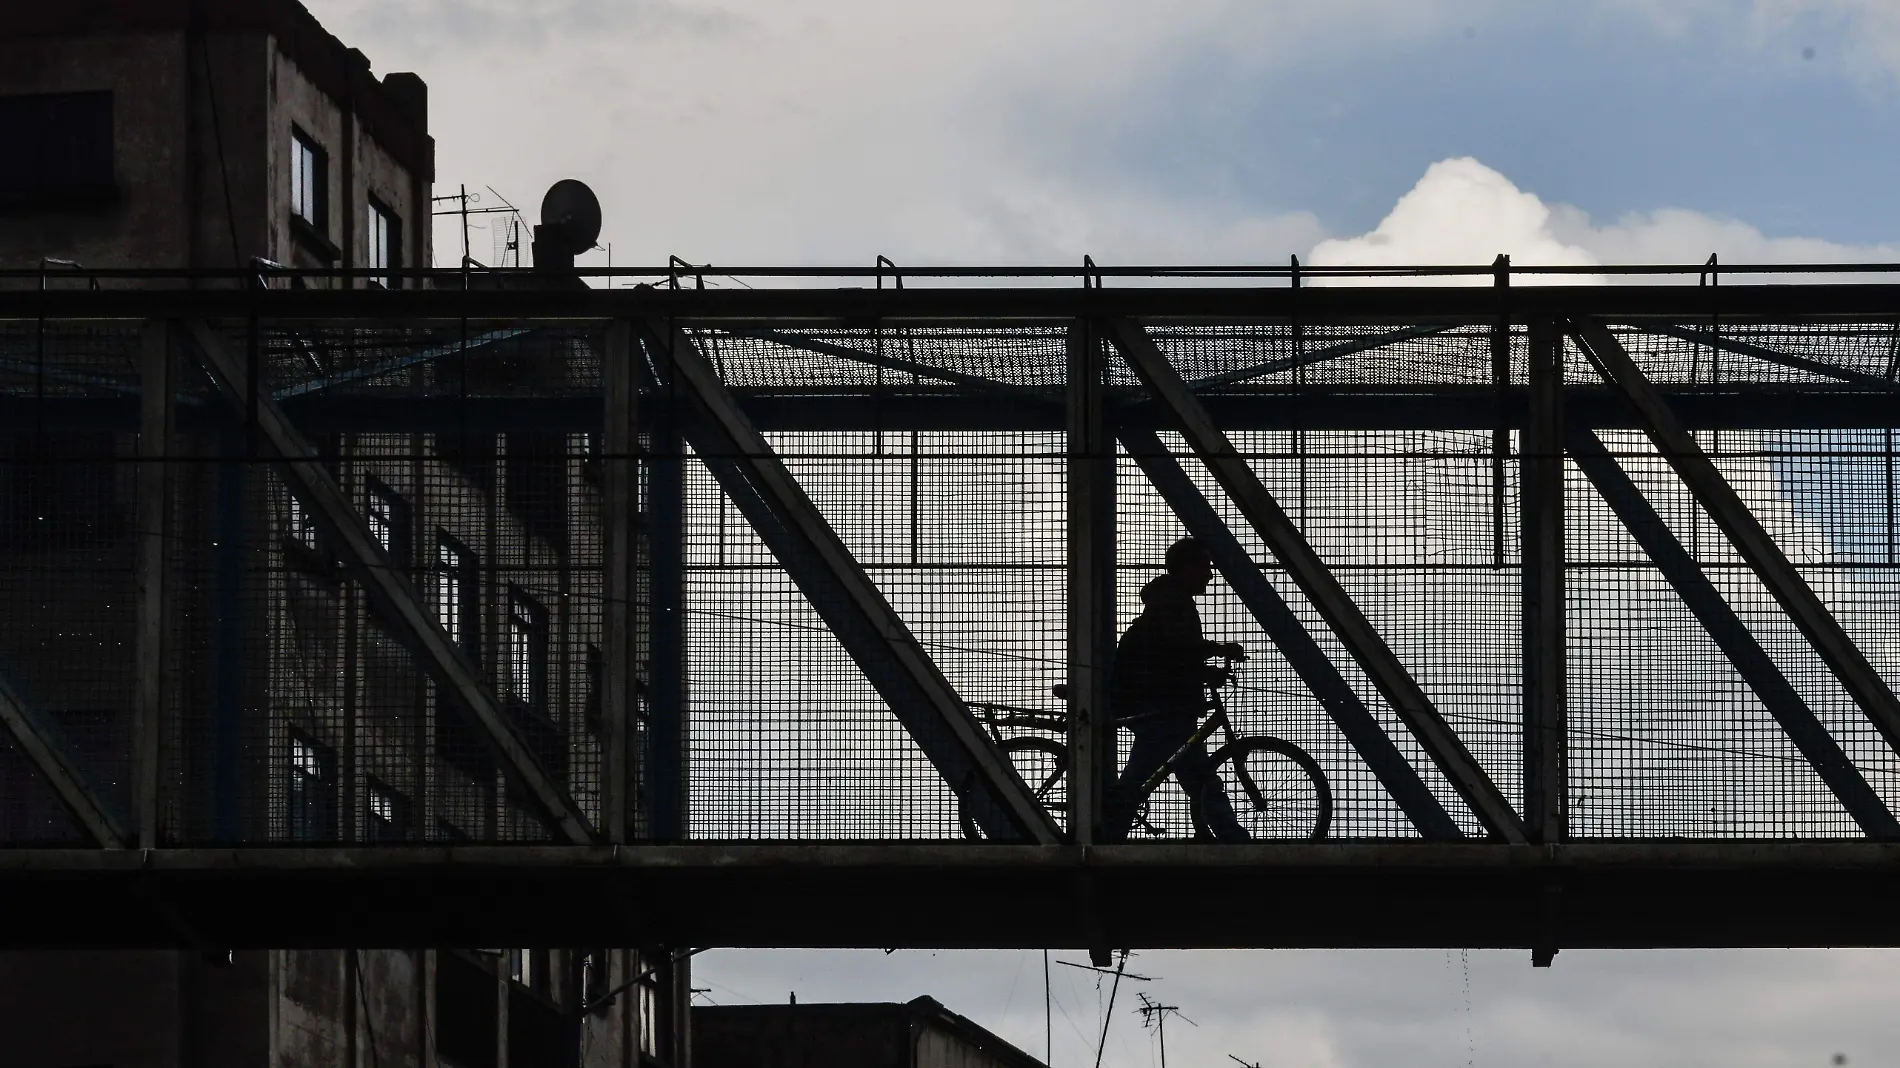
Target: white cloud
{"type": "Point", "coordinates": [1460, 212]}
{"type": "Point", "coordinates": [1464, 213]}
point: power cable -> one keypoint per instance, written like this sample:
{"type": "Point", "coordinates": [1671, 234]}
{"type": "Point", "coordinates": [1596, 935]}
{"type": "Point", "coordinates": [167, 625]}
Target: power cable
{"type": "Point", "coordinates": [217, 134]}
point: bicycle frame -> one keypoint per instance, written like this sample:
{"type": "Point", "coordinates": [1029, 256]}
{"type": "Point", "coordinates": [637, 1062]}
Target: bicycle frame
{"type": "Point", "coordinates": [1200, 736]}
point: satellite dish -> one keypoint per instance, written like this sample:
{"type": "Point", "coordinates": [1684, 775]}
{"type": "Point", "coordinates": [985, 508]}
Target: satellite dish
{"type": "Point", "coordinates": [570, 218]}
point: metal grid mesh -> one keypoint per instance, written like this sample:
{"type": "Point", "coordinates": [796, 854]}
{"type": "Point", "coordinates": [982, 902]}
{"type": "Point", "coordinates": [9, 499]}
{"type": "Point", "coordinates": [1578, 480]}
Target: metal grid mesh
{"type": "Point", "coordinates": [295, 714]}
{"type": "Point", "coordinates": [66, 542]}
{"type": "Point", "coordinates": [963, 533]}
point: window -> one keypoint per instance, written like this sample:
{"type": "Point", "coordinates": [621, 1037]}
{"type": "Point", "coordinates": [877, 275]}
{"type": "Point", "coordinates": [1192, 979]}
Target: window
{"type": "Point", "coordinates": [455, 595]}
{"type": "Point", "coordinates": [596, 974]}
{"type": "Point", "coordinates": [388, 815]}
{"type": "Point", "coordinates": [529, 967]}
{"type": "Point", "coordinates": [527, 650]}
{"type": "Point", "coordinates": [311, 802]}
{"type": "Point", "coordinates": [300, 525]}
{"type": "Point", "coordinates": [388, 517]}
{"type": "Point", "coordinates": [648, 995]}
{"type": "Point", "coordinates": [56, 150]}
{"type": "Point", "coordinates": [385, 243]}
{"type": "Point", "coordinates": [309, 189]}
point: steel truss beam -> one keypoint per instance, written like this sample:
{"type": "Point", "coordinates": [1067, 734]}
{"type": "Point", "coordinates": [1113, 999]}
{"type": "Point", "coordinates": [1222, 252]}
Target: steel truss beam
{"type": "Point", "coordinates": [906, 408]}
{"type": "Point", "coordinates": [1313, 356]}
{"type": "Point", "coordinates": [877, 359]}
{"type": "Point", "coordinates": [1768, 355]}
{"type": "Point", "coordinates": [41, 746]}
{"type": "Point", "coordinates": [386, 584]}
{"type": "Point", "coordinates": [1739, 525]}
{"type": "Point", "coordinates": [974, 306]}
{"type": "Point", "coordinates": [1253, 895]}
{"type": "Point", "coordinates": [1257, 504]}
{"type": "Point", "coordinates": [839, 589]}
{"type": "Point", "coordinates": [1731, 635]}
{"type": "Point", "coordinates": [1301, 652]}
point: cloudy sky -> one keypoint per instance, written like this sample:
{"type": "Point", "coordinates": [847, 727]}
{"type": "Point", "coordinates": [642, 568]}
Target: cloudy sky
{"type": "Point", "coordinates": [1219, 131]}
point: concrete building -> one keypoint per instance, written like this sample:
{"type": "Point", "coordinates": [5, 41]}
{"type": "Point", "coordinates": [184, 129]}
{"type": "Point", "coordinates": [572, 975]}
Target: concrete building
{"type": "Point", "coordinates": [229, 134]}
{"type": "Point", "coordinates": [202, 134]}
{"type": "Point", "coordinates": [921, 1033]}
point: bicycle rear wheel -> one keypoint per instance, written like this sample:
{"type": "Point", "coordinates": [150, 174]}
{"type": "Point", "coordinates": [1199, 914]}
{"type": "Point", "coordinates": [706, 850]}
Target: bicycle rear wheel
{"type": "Point", "coordinates": [1044, 765]}
{"type": "Point", "coordinates": [1282, 791]}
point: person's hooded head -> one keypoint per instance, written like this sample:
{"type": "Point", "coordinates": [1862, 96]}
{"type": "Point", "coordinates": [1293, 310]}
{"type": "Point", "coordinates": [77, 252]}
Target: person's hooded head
{"type": "Point", "coordinates": [1189, 565]}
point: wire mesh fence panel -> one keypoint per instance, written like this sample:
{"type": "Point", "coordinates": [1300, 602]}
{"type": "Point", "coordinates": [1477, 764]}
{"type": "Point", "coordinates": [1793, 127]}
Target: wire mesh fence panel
{"type": "Point", "coordinates": [1666, 736]}
{"type": "Point", "coordinates": [1404, 522]}
{"type": "Point", "coordinates": [306, 710]}
{"type": "Point", "coordinates": [1825, 497]}
{"type": "Point", "coordinates": [68, 516]}
{"type": "Point", "coordinates": [31, 812]}
{"type": "Point", "coordinates": [963, 536]}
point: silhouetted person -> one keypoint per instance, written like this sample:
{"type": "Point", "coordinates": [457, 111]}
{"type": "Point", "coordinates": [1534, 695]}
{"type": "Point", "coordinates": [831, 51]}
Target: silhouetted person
{"type": "Point", "coordinates": [1159, 692]}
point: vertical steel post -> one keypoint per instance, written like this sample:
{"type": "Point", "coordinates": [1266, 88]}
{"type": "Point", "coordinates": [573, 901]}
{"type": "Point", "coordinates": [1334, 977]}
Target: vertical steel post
{"type": "Point", "coordinates": [620, 472]}
{"type": "Point", "coordinates": [666, 497]}
{"type": "Point", "coordinates": [1501, 382]}
{"type": "Point", "coordinates": [1542, 548]}
{"type": "Point", "coordinates": [680, 1004]}
{"type": "Point", "coordinates": [1091, 560]}
{"type": "Point", "coordinates": [154, 528]}
{"type": "Point", "coordinates": [229, 631]}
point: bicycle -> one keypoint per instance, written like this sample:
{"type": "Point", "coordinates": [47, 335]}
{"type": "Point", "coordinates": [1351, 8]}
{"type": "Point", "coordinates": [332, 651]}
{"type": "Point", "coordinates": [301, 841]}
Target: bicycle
{"type": "Point", "coordinates": [1286, 793]}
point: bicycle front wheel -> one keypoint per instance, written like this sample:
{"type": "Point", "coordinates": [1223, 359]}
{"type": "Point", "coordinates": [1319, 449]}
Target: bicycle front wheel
{"type": "Point", "coordinates": [1044, 765]}
{"type": "Point", "coordinates": [1282, 793]}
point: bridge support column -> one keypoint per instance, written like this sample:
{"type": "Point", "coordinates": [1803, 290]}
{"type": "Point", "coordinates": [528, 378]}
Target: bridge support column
{"type": "Point", "coordinates": [150, 595]}
{"type": "Point", "coordinates": [1317, 582]}
{"type": "Point", "coordinates": [1091, 559]}
{"type": "Point", "coordinates": [666, 741]}
{"type": "Point", "coordinates": [620, 473]}
{"type": "Point", "coordinates": [1542, 550]}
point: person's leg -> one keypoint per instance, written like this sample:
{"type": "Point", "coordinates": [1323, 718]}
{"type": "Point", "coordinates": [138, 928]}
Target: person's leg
{"type": "Point", "coordinates": [1151, 749]}
{"type": "Point", "coordinates": [1195, 772]}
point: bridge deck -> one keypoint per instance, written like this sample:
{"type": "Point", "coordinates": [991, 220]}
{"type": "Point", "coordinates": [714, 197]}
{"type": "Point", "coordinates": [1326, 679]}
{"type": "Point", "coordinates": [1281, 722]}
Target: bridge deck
{"type": "Point", "coordinates": [1335, 894]}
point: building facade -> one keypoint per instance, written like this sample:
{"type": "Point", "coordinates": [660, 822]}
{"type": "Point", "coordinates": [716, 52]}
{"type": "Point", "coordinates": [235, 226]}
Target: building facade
{"type": "Point", "coordinates": [237, 136]}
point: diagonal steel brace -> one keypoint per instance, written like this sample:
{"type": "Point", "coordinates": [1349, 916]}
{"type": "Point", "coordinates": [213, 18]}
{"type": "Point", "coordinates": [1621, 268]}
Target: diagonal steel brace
{"type": "Point", "coordinates": [1731, 635]}
{"type": "Point", "coordinates": [43, 749]}
{"type": "Point", "coordinates": [1750, 539]}
{"type": "Point", "coordinates": [1316, 581]}
{"type": "Point", "coordinates": [387, 586]}
{"type": "Point", "coordinates": [832, 579]}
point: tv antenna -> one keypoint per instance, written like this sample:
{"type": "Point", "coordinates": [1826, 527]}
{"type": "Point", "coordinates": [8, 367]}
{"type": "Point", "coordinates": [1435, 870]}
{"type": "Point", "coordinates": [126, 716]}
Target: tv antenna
{"type": "Point", "coordinates": [1154, 1015]}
